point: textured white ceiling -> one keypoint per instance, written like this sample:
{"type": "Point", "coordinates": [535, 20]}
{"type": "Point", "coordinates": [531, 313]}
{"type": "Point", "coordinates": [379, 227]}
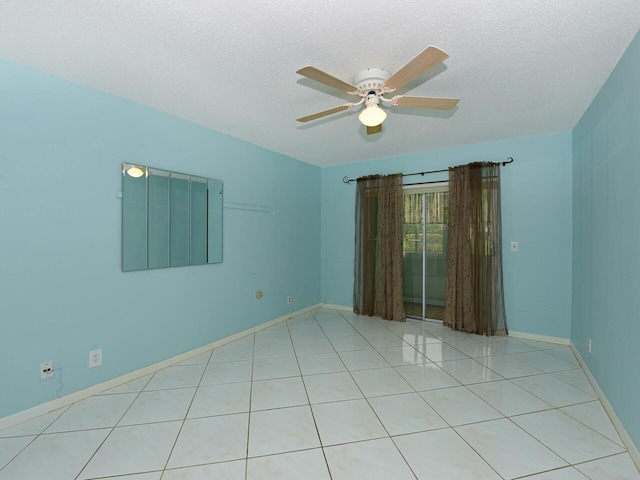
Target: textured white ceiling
{"type": "Point", "coordinates": [519, 67]}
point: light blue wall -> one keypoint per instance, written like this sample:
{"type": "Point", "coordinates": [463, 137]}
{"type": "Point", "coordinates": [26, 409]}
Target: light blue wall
{"type": "Point", "coordinates": [606, 225]}
{"type": "Point", "coordinates": [536, 211]}
{"type": "Point", "coordinates": [62, 291]}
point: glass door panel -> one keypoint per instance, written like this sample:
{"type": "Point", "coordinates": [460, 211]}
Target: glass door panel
{"type": "Point", "coordinates": [424, 266]}
{"type": "Point", "coordinates": [413, 255]}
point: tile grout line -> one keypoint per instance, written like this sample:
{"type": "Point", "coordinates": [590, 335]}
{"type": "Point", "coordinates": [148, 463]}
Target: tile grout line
{"type": "Point", "coordinates": [503, 416]}
{"type": "Point", "coordinates": [366, 398]}
{"type": "Point", "coordinates": [535, 349]}
{"type": "Point", "coordinates": [315, 423]}
{"type": "Point", "coordinates": [253, 359]}
{"type": "Point", "coordinates": [528, 413]}
{"type": "Point", "coordinates": [186, 415]}
{"type": "Point", "coordinates": [378, 417]}
{"type": "Point", "coordinates": [112, 428]}
{"type": "Point", "coordinates": [20, 451]}
{"type": "Point", "coordinates": [35, 437]}
{"type": "Point", "coordinates": [449, 426]}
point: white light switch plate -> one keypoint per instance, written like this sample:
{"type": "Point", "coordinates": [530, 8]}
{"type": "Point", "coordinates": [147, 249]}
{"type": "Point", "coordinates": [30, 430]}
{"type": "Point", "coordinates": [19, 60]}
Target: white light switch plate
{"type": "Point", "coordinates": [514, 246]}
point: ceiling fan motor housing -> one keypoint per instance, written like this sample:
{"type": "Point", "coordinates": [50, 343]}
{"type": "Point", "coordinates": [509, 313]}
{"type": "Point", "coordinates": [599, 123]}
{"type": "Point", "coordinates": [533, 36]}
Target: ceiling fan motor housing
{"type": "Point", "coordinates": [371, 79]}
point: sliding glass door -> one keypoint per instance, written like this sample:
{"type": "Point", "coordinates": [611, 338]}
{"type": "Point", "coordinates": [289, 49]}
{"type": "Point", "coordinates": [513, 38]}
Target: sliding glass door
{"type": "Point", "coordinates": [424, 251]}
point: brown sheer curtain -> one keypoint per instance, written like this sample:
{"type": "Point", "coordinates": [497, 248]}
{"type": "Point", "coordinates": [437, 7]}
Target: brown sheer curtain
{"type": "Point", "coordinates": [474, 296]}
{"type": "Point", "coordinates": [378, 253]}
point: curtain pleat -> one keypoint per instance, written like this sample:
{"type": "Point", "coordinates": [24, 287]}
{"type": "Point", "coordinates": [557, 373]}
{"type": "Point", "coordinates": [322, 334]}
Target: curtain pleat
{"type": "Point", "coordinates": [474, 294]}
{"type": "Point", "coordinates": [365, 248]}
{"type": "Point", "coordinates": [459, 312]}
{"type": "Point", "coordinates": [378, 253]}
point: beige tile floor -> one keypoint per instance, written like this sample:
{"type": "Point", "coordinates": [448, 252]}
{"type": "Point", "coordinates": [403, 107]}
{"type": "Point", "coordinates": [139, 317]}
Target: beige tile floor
{"type": "Point", "coordinates": [332, 395]}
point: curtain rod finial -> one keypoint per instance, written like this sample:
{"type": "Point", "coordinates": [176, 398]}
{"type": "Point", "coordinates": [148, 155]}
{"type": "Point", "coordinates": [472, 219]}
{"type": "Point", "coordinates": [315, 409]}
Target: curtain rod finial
{"type": "Point", "coordinates": [509, 160]}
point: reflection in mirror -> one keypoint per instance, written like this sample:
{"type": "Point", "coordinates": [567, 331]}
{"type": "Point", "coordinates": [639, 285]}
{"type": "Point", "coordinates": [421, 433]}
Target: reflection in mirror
{"type": "Point", "coordinates": [134, 221]}
{"type": "Point", "coordinates": [198, 221]}
{"type": "Point", "coordinates": [169, 219]}
{"type": "Point", "coordinates": [158, 220]}
{"type": "Point", "coordinates": [179, 218]}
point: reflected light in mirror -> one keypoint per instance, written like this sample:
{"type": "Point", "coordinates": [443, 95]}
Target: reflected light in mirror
{"type": "Point", "coordinates": [135, 171]}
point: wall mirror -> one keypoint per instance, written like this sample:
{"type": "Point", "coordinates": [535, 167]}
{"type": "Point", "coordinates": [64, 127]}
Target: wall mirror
{"type": "Point", "coordinates": [169, 219]}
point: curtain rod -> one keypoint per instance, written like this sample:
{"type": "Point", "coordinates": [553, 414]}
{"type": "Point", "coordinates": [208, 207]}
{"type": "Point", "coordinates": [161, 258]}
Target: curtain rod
{"type": "Point", "coordinates": [349, 180]}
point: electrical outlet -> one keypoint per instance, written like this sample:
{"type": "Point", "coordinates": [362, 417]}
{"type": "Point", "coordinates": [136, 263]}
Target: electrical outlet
{"type": "Point", "coordinates": [95, 358]}
{"type": "Point", "coordinates": [46, 370]}
{"type": "Point", "coordinates": [289, 299]}
{"type": "Point", "coordinates": [589, 345]}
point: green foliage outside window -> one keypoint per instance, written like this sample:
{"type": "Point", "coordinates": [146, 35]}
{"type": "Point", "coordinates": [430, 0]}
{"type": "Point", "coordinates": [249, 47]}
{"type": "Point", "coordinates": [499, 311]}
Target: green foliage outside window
{"type": "Point", "coordinates": [413, 237]}
{"type": "Point", "coordinates": [438, 214]}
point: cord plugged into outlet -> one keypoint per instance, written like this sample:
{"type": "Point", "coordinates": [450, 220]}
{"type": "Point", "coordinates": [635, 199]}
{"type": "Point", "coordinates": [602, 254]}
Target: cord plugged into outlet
{"type": "Point", "coordinates": [46, 370]}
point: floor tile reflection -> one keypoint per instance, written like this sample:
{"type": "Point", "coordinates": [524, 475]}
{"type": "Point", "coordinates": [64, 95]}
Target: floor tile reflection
{"type": "Point", "coordinates": [333, 395]}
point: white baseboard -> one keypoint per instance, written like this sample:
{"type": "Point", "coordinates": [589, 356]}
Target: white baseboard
{"type": "Point", "coordinates": [540, 338]}
{"type": "Point", "coordinates": [41, 409]}
{"type": "Point", "coordinates": [337, 307]}
{"type": "Point", "coordinates": [624, 436]}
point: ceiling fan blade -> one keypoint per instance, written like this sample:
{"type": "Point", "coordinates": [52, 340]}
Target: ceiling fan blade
{"type": "Point", "coordinates": [429, 58]}
{"type": "Point", "coordinates": [319, 76]}
{"type": "Point", "coordinates": [372, 130]}
{"type": "Point", "coordinates": [331, 111]}
{"type": "Point", "coordinates": [425, 102]}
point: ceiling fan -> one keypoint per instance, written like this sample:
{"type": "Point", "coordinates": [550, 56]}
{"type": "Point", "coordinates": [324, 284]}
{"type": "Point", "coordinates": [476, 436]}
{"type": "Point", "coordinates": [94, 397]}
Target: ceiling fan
{"type": "Point", "coordinates": [373, 86]}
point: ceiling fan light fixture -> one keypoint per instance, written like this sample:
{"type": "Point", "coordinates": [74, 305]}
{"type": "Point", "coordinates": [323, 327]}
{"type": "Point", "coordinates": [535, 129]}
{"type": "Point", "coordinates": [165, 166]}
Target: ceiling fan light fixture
{"type": "Point", "coordinates": [372, 115]}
